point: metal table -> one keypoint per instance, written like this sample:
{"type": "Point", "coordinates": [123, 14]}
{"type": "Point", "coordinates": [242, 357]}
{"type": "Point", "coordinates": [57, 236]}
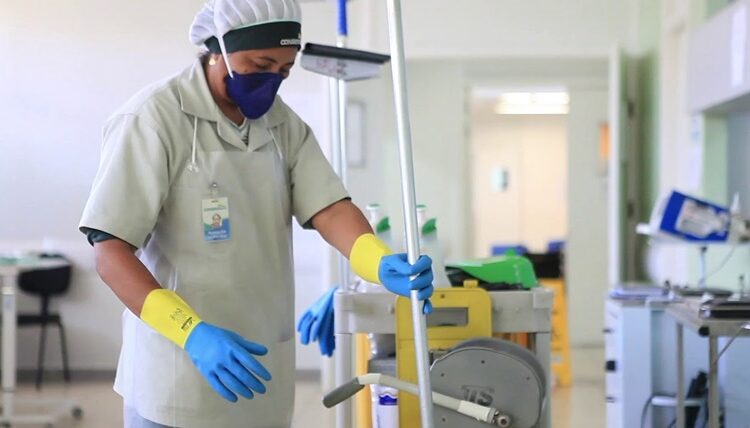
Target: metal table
{"type": "Point", "coordinates": [512, 312]}
{"type": "Point", "coordinates": [686, 315]}
{"type": "Point", "coordinates": [10, 268]}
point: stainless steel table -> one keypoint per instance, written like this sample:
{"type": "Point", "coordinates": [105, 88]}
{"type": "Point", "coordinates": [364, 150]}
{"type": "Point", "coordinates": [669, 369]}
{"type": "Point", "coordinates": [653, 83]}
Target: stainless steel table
{"type": "Point", "coordinates": [10, 268]}
{"type": "Point", "coordinates": [512, 312]}
{"type": "Point", "coordinates": [686, 315]}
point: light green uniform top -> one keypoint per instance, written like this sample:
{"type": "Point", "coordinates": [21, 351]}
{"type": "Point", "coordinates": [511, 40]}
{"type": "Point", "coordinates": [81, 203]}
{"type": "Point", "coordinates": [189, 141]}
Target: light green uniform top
{"type": "Point", "coordinates": [145, 194]}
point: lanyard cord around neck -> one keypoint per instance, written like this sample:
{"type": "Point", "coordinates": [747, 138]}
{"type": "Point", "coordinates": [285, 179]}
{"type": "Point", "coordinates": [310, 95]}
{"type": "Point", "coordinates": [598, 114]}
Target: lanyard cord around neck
{"type": "Point", "coordinates": [193, 166]}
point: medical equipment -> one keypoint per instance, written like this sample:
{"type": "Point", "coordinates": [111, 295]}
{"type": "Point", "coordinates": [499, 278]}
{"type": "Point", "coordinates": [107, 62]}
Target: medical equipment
{"type": "Point", "coordinates": [680, 218]}
{"type": "Point", "coordinates": [686, 314]}
{"type": "Point", "coordinates": [725, 308]}
{"type": "Point", "coordinates": [693, 219]}
{"type": "Point", "coordinates": [684, 218]}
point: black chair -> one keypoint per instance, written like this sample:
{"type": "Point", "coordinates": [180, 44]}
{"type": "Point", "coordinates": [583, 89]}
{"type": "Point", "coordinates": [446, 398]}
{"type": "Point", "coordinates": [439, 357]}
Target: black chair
{"type": "Point", "coordinates": [46, 283]}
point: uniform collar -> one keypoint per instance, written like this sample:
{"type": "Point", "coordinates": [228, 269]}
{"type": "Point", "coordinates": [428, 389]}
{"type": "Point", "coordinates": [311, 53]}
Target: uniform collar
{"type": "Point", "coordinates": [196, 100]}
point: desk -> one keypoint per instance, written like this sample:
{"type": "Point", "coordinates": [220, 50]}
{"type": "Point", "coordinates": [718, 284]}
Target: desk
{"type": "Point", "coordinates": [686, 315]}
{"type": "Point", "coordinates": [512, 312]}
{"type": "Point", "coordinates": [10, 268]}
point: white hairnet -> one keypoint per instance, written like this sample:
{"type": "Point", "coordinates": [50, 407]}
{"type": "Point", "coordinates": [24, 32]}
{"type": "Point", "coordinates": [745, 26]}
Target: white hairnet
{"type": "Point", "coordinates": [218, 17]}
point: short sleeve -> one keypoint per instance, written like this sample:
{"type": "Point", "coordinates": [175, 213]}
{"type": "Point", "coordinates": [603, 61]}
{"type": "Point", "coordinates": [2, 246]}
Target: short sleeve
{"type": "Point", "coordinates": [314, 184]}
{"type": "Point", "coordinates": [132, 181]}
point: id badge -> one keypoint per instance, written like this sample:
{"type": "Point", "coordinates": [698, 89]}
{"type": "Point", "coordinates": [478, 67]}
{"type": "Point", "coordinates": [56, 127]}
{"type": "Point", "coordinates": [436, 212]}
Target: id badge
{"type": "Point", "coordinates": [216, 220]}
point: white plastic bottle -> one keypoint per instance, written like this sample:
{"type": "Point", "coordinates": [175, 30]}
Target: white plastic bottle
{"type": "Point", "coordinates": [381, 345]}
{"type": "Point", "coordinates": [384, 399]}
{"type": "Point", "coordinates": [380, 223]}
{"type": "Point", "coordinates": [384, 407]}
{"type": "Point", "coordinates": [430, 245]}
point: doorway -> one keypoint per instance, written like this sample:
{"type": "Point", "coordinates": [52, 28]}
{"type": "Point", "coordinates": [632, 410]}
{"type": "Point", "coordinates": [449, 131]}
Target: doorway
{"type": "Point", "coordinates": [519, 168]}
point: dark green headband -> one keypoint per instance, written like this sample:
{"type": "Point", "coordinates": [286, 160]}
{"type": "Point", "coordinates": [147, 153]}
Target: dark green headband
{"type": "Point", "coordinates": [261, 36]}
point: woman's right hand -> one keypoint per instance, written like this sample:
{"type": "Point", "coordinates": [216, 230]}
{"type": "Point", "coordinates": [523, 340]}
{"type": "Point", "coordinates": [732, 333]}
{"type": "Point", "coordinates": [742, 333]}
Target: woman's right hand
{"type": "Point", "coordinates": [227, 361]}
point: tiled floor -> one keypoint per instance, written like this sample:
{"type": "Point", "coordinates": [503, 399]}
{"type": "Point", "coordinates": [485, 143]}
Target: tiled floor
{"type": "Point", "coordinates": [580, 406]}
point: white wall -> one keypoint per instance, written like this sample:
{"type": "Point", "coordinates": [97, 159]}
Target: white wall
{"type": "Point", "coordinates": [73, 63]}
{"type": "Point", "coordinates": [500, 28]}
{"type": "Point", "coordinates": [586, 252]}
{"type": "Point", "coordinates": [533, 210]}
{"type": "Point", "coordinates": [438, 116]}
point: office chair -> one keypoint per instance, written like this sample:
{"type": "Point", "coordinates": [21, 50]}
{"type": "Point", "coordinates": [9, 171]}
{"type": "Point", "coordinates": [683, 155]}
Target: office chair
{"type": "Point", "coordinates": [46, 283]}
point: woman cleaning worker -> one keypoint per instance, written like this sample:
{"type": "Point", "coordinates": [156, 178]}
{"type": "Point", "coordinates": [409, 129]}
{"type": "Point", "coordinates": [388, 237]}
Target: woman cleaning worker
{"type": "Point", "coordinates": [210, 310]}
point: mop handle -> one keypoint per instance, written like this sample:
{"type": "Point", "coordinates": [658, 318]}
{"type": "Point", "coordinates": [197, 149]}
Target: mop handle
{"type": "Point", "coordinates": [409, 205]}
{"type": "Point", "coordinates": [481, 413]}
{"type": "Point", "coordinates": [343, 24]}
{"type": "Point", "coordinates": [337, 93]}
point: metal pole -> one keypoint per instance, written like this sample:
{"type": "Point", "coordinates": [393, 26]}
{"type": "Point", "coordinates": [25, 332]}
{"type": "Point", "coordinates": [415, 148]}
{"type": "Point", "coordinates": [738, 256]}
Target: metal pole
{"type": "Point", "coordinates": [9, 345]}
{"type": "Point", "coordinates": [344, 374]}
{"type": "Point", "coordinates": [713, 382]}
{"type": "Point", "coordinates": [680, 410]}
{"type": "Point", "coordinates": [344, 271]}
{"type": "Point", "coordinates": [344, 342]}
{"type": "Point", "coordinates": [409, 204]}
{"type": "Point", "coordinates": [343, 371]}
{"type": "Point", "coordinates": [338, 161]}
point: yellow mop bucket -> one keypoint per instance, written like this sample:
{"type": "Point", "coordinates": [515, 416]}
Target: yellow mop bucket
{"type": "Point", "coordinates": [458, 314]}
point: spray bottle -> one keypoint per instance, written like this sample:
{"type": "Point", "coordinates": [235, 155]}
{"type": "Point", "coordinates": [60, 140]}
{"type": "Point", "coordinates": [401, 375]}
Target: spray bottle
{"type": "Point", "coordinates": [380, 223]}
{"type": "Point", "coordinates": [382, 346]}
{"type": "Point", "coordinates": [431, 246]}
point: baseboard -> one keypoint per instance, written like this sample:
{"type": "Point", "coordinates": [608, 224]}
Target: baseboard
{"type": "Point", "coordinates": [83, 375]}
{"type": "Point", "coordinates": [308, 375]}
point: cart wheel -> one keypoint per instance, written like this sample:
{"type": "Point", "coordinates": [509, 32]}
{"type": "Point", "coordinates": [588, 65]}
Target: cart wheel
{"type": "Point", "coordinates": [77, 413]}
{"type": "Point", "coordinates": [5, 425]}
{"type": "Point", "coordinates": [49, 426]}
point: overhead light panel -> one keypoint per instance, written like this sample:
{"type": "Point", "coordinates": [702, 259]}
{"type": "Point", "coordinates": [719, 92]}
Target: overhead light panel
{"type": "Point", "coordinates": [533, 103]}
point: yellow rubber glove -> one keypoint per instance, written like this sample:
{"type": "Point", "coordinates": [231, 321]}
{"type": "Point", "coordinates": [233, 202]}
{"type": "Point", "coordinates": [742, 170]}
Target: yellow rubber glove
{"type": "Point", "coordinates": [365, 257]}
{"type": "Point", "coordinates": [166, 312]}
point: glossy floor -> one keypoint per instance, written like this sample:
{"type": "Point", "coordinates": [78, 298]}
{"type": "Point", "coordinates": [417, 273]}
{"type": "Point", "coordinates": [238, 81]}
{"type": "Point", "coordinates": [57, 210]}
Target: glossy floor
{"type": "Point", "coordinates": [580, 406]}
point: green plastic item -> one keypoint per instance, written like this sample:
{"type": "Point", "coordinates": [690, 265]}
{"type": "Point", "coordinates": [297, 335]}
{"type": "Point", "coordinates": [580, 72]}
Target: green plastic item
{"type": "Point", "coordinates": [430, 226]}
{"type": "Point", "coordinates": [509, 269]}
{"type": "Point", "coordinates": [384, 225]}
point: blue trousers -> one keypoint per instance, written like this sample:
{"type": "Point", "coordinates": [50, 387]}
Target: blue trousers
{"type": "Point", "coordinates": [132, 419]}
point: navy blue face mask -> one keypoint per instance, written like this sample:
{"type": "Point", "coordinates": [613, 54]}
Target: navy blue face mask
{"type": "Point", "coordinates": [253, 93]}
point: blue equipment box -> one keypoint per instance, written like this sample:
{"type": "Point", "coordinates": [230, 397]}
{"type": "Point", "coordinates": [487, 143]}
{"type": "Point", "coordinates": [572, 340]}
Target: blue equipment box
{"type": "Point", "coordinates": [694, 219]}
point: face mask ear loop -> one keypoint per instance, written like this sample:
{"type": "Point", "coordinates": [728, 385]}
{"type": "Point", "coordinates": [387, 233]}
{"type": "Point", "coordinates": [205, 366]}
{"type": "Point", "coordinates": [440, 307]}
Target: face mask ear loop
{"type": "Point", "coordinates": [225, 55]}
{"type": "Point", "coordinates": [193, 166]}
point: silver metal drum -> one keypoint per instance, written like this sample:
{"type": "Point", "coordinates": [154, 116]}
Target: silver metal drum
{"type": "Point", "coordinates": [490, 372]}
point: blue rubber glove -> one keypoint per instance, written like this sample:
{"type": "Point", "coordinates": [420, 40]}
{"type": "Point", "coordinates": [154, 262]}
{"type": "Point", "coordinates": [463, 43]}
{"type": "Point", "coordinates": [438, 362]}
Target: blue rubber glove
{"type": "Point", "coordinates": [316, 324]}
{"type": "Point", "coordinates": [326, 339]}
{"type": "Point", "coordinates": [226, 361]}
{"type": "Point", "coordinates": [395, 274]}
